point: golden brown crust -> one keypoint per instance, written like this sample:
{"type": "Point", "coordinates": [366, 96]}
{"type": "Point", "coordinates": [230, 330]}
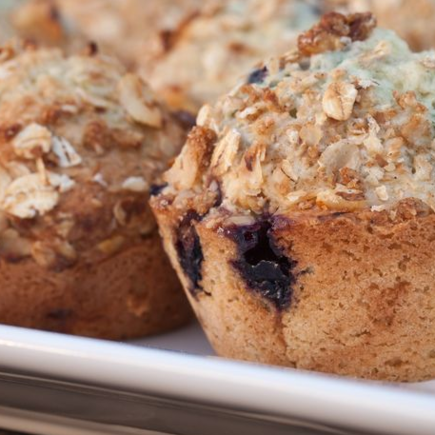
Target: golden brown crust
{"type": "Point", "coordinates": [360, 300]}
{"type": "Point", "coordinates": [131, 294]}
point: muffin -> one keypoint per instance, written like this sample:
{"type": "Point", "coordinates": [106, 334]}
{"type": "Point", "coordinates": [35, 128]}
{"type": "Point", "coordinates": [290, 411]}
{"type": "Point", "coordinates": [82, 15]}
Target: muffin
{"type": "Point", "coordinates": [82, 142]}
{"type": "Point", "coordinates": [221, 42]}
{"type": "Point", "coordinates": [300, 213]}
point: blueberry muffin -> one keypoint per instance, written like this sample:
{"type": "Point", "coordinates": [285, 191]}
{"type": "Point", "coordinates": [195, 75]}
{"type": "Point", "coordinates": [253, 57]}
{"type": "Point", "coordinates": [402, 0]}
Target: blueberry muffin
{"type": "Point", "coordinates": [300, 213]}
{"type": "Point", "coordinates": [224, 40]}
{"type": "Point", "coordinates": [82, 142]}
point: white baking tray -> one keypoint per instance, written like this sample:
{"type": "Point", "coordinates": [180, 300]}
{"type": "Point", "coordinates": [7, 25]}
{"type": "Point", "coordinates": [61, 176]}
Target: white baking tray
{"type": "Point", "coordinates": [172, 384]}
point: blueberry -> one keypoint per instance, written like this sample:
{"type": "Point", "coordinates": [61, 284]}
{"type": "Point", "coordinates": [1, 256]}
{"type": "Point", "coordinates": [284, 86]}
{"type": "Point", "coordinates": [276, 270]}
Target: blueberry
{"type": "Point", "coordinates": [257, 76]}
{"type": "Point", "coordinates": [155, 189]}
{"type": "Point", "coordinates": [186, 119]}
{"type": "Point", "coordinates": [189, 251]}
{"type": "Point", "coordinates": [265, 269]}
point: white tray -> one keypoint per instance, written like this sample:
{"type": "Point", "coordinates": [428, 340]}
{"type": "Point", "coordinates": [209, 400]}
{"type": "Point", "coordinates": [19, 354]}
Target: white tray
{"type": "Point", "coordinates": [57, 384]}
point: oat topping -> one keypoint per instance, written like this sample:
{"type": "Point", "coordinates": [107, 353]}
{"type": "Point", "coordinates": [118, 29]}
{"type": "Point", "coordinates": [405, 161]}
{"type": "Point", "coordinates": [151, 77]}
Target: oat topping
{"type": "Point", "coordinates": [338, 100]}
{"type": "Point", "coordinates": [28, 195]}
{"type": "Point", "coordinates": [334, 31]}
{"type": "Point", "coordinates": [32, 141]}
{"type": "Point", "coordinates": [65, 152]}
{"type": "Point", "coordinates": [61, 181]}
{"type": "Point", "coordinates": [137, 99]}
{"type": "Point", "coordinates": [78, 135]}
{"type": "Point", "coordinates": [135, 184]}
{"type": "Point", "coordinates": [98, 178]}
{"type": "Point", "coordinates": [337, 126]}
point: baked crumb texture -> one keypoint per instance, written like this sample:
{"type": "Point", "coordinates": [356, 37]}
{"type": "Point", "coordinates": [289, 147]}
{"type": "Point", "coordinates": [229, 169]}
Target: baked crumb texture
{"type": "Point", "coordinates": [300, 212]}
{"type": "Point", "coordinates": [81, 143]}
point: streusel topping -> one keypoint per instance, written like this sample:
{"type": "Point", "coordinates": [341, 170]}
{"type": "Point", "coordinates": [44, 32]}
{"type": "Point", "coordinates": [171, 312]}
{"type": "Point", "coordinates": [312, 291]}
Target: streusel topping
{"type": "Point", "coordinates": [345, 122]}
{"type": "Point", "coordinates": [81, 142]}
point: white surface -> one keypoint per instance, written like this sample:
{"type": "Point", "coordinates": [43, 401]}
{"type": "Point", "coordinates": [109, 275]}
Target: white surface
{"type": "Point", "coordinates": [281, 393]}
{"type": "Point", "coordinates": [190, 339]}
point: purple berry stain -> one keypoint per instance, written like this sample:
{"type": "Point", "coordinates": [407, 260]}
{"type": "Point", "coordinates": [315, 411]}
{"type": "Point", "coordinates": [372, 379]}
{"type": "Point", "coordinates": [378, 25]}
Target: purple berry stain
{"type": "Point", "coordinates": [261, 263]}
{"type": "Point", "coordinates": [257, 76]}
{"type": "Point", "coordinates": [189, 251]}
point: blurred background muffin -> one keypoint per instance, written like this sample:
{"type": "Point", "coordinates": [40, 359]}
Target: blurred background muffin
{"type": "Point", "coordinates": [211, 49]}
{"type": "Point", "coordinates": [410, 19]}
{"type": "Point", "coordinates": [7, 29]}
{"type": "Point", "coordinates": [82, 142]}
{"type": "Point", "coordinates": [191, 51]}
{"type": "Point", "coordinates": [39, 21]}
{"type": "Point", "coordinates": [206, 55]}
{"type": "Point", "coordinates": [208, 43]}
{"type": "Point", "coordinates": [125, 28]}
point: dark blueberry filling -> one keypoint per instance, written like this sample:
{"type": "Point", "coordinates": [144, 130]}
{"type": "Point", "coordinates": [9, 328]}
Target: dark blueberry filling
{"type": "Point", "coordinates": [218, 200]}
{"type": "Point", "coordinates": [262, 265]}
{"type": "Point", "coordinates": [305, 64]}
{"type": "Point", "coordinates": [189, 251]}
{"type": "Point", "coordinates": [257, 76]}
{"type": "Point", "coordinates": [185, 118]}
{"type": "Point", "coordinates": [155, 189]}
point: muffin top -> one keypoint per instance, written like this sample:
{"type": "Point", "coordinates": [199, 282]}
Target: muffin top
{"type": "Point", "coordinates": [224, 40]}
{"type": "Point", "coordinates": [342, 123]}
{"type": "Point", "coordinates": [81, 142]}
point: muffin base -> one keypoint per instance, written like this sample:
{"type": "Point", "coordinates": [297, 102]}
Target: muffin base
{"type": "Point", "coordinates": [131, 294]}
{"type": "Point", "coordinates": [361, 299]}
